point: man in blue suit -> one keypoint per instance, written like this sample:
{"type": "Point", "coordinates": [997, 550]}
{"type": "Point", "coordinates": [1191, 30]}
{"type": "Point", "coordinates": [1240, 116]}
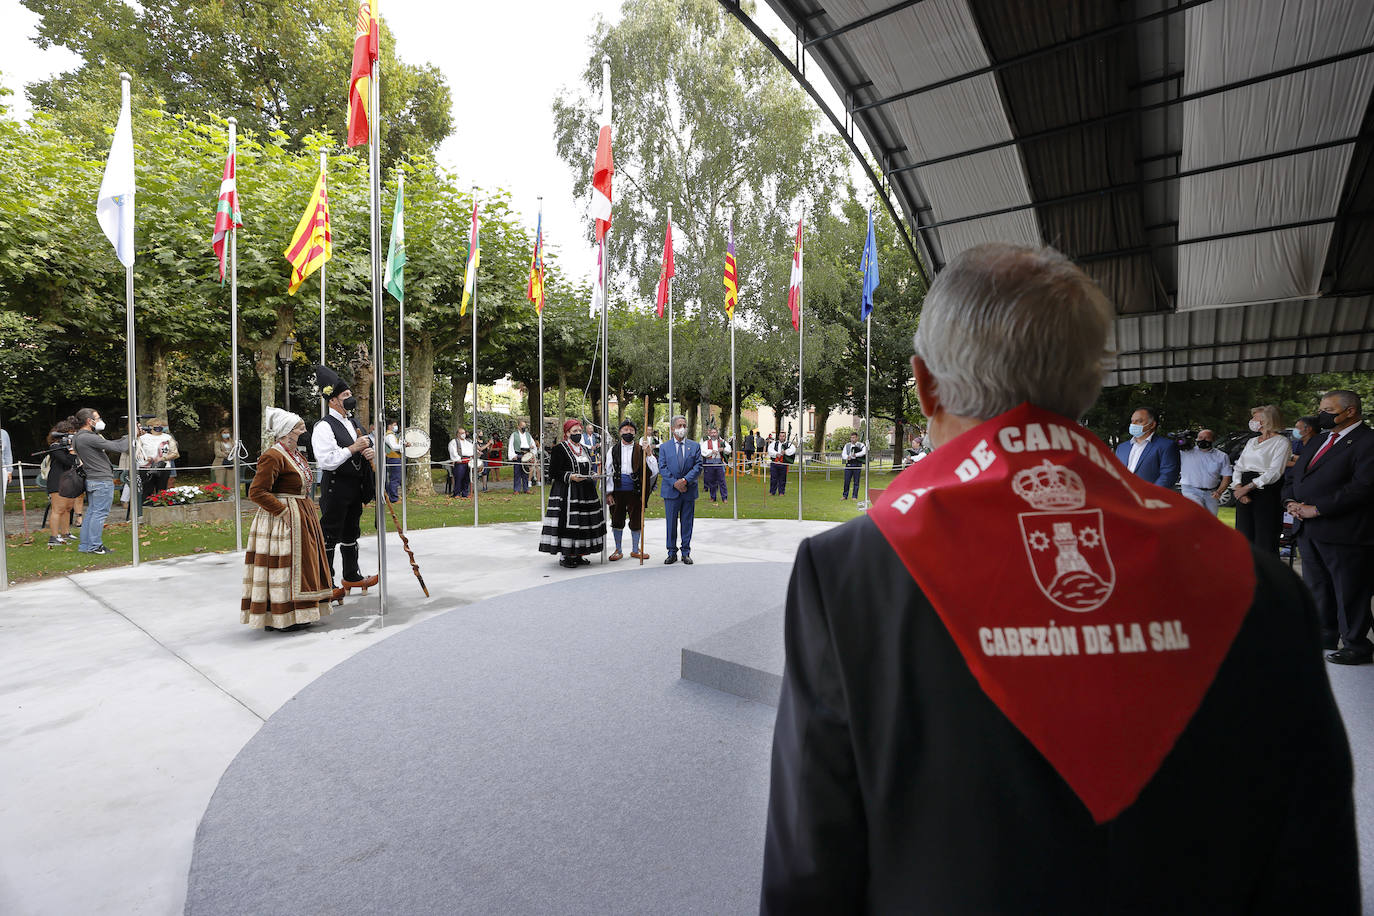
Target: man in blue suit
{"type": "Point", "coordinates": [1148, 454]}
{"type": "Point", "coordinates": [679, 466]}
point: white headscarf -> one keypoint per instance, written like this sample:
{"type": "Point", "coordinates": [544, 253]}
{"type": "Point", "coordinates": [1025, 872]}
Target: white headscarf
{"type": "Point", "coordinates": [281, 422]}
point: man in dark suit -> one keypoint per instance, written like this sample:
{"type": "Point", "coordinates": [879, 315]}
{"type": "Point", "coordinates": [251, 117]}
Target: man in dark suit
{"type": "Point", "coordinates": [1331, 492]}
{"type": "Point", "coordinates": [986, 708]}
{"type": "Point", "coordinates": [1148, 454]}
{"type": "Point", "coordinates": [679, 466]}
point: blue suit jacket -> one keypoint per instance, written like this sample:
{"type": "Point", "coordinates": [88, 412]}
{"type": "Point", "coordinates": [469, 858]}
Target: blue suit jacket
{"type": "Point", "coordinates": [670, 472]}
{"type": "Point", "coordinates": [1159, 464]}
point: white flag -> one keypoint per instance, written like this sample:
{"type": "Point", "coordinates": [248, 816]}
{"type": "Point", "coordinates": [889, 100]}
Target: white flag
{"type": "Point", "coordinates": [115, 206]}
{"type": "Point", "coordinates": [598, 288]}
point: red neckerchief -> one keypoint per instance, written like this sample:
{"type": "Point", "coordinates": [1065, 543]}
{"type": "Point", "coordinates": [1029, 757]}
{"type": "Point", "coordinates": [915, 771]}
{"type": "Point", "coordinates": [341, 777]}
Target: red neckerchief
{"type": "Point", "coordinates": [1044, 558]}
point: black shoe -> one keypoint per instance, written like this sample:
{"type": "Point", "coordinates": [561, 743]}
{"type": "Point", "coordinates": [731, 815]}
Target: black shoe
{"type": "Point", "coordinates": [101, 550]}
{"type": "Point", "coordinates": [568, 562]}
{"type": "Point", "coordinates": [583, 561]}
{"type": "Point", "coordinates": [687, 561]}
{"type": "Point", "coordinates": [670, 559]}
{"type": "Point", "coordinates": [1349, 656]}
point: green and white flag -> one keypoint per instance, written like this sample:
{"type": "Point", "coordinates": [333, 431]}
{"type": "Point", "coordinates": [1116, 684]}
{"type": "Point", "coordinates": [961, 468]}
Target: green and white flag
{"type": "Point", "coordinates": [396, 253]}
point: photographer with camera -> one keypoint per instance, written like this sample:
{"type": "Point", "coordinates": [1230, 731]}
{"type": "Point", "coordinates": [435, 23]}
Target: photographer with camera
{"type": "Point", "coordinates": [1205, 472]}
{"type": "Point", "coordinates": [92, 450]}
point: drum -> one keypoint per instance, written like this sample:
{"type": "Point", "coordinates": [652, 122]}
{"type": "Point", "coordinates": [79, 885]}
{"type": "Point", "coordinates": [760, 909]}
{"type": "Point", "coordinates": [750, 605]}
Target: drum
{"type": "Point", "coordinates": [416, 442]}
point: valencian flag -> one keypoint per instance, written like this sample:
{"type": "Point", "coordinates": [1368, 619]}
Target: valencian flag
{"type": "Point", "coordinates": [731, 274]}
{"type": "Point", "coordinates": [604, 167]}
{"type": "Point", "coordinates": [313, 244]}
{"type": "Point", "coordinates": [665, 274]}
{"type": "Point", "coordinates": [227, 215]}
{"type": "Point", "coordinates": [395, 272]}
{"type": "Point", "coordinates": [535, 291]}
{"type": "Point", "coordinates": [794, 289]}
{"type": "Point", "coordinates": [474, 257]}
{"type": "Point", "coordinates": [869, 266]}
{"type": "Point", "coordinates": [366, 48]}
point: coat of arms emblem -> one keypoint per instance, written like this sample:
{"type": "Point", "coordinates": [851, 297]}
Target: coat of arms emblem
{"type": "Point", "coordinates": [1064, 542]}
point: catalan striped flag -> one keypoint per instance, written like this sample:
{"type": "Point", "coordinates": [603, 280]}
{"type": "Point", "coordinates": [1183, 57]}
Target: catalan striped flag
{"type": "Point", "coordinates": [366, 49]}
{"type": "Point", "coordinates": [313, 244]}
{"type": "Point", "coordinates": [731, 274]}
{"type": "Point", "coordinates": [474, 258]}
{"type": "Point", "coordinates": [535, 291]}
{"type": "Point", "coordinates": [227, 215]}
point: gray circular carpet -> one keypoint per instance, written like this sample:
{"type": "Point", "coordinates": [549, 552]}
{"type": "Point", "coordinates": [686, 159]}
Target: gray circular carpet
{"type": "Point", "coordinates": [533, 753]}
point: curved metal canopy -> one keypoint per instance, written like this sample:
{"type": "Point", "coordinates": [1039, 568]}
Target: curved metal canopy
{"type": "Point", "coordinates": [1206, 161]}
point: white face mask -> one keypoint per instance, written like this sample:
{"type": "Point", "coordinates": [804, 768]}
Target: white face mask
{"type": "Point", "coordinates": [680, 432]}
{"type": "Point", "coordinates": [99, 425]}
{"type": "Point", "coordinates": [1254, 426]}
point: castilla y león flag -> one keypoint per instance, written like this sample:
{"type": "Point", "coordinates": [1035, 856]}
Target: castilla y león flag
{"type": "Point", "coordinates": [366, 48]}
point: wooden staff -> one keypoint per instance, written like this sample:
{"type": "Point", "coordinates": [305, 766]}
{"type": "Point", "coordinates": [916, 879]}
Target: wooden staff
{"type": "Point", "coordinates": [644, 488]}
{"type": "Point", "coordinates": [405, 543]}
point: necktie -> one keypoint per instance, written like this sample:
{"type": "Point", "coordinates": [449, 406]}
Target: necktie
{"type": "Point", "coordinates": [1331, 440]}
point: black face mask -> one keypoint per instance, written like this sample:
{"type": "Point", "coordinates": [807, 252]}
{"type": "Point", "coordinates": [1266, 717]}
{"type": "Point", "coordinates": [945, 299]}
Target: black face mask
{"type": "Point", "coordinates": [1326, 420]}
{"type": "Point", "coordinates": [575, 438]}
{"type": "Point", "coordinates": [1204, 443]}
{"type": "Point", "coordinates": [627, 438]}
{"type": "Point", "coordinates": [350, 403]}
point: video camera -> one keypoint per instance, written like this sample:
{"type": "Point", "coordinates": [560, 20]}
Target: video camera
{"type": "Point", "coordinates": [1184, 439]}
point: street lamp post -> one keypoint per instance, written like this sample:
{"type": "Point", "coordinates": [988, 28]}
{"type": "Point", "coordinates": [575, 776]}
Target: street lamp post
{"type": "Point", "coordinates": [285, 354]}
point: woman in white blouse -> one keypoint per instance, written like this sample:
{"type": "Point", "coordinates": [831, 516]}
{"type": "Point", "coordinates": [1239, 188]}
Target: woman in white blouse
{"type": "Point", "coordinates": [1258, 478]}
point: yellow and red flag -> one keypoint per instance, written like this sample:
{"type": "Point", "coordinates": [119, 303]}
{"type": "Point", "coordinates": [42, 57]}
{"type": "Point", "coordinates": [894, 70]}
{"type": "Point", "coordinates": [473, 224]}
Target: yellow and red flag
{"type": "Point", "coordinates": [731, 275]}
{"type": "Point", "coordinates": [366, 48]}
{"type": "Point", "coordinates": [535, 291]}
{"type": "Point", "coordinates": [313, 244]}
{"type": "Point", "coordinates": [474, 258]}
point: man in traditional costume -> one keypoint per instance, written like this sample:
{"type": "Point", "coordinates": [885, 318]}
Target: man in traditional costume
{"type": "Point", "coordinates": [518, 449]}
{"type": "Point", "coordinates": [627, 490]}
{"type": "Point", "coordinates": [715, 454]}
{"type": "Point", "coordinates": [986, 705]}
{"type": "Point", "coordinates": [781, 453]}
{"type": "Point", "coordinates": [394, 457]}
{"type": "Point", "coordinates": [854, 454]}
{"type": "Point", "coordinates": [286, 580]}
{"type": "Point", "coordinates": [460, 453]}
{"type": "Point", "coordinates": [344, 455]}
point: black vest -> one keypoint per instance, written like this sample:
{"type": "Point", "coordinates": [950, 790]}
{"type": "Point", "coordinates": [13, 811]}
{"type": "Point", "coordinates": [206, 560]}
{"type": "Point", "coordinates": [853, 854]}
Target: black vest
{"type": "Point", "coordinates": [356, 469]}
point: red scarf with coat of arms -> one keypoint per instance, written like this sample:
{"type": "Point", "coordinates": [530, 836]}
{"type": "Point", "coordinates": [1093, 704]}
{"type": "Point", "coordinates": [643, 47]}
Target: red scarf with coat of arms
{"type": "Point", "coordinates": [1066, 630]}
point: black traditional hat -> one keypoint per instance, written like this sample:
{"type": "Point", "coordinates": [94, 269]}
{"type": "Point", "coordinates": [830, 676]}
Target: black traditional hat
{"type": "Point", "coordinates": [330, 382]}
{"type": "Point", "coordinates": [628, 422]}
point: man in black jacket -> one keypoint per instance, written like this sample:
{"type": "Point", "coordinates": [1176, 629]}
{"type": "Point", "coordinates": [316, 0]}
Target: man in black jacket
{"type": "Point", "coordinates": [347, 483]}
{"type": "Point", "coordinates": [1331, 492]}
{"type": "Point", "coordinates": [988, 707]}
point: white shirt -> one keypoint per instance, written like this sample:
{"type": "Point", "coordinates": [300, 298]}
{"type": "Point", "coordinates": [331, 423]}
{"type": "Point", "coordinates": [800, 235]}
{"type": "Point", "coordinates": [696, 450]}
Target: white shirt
{"type": "Point", "coordinates": [518, 442]}
{"type": "Point", "coordinates": [626, 459]}
{"type": "Point", "coordinates": [152, 448]}
{"type": "Point", "coordinates": [325, 447]}
{"type": "Point", "coordinates": [460, 450]}
{"type": "Point", "coordinates": [393, 444]}
{"type": "Point", "coordinates": [710, 450]}
{"type": "Point", "coordinates": [1203, 467]}
{"type": "Point", "coordinates": [781, 448]}
{"type": "Point", "coordinates": [1137, 449]}
{"type": "Point", "coordinates": [853, 450]}
{"type": "Point", "coordinates": [1268, 458]}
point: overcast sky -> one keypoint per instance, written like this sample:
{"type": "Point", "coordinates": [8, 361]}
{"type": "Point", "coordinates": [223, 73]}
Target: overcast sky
{"type": "Point", "coordinates": [505, 64]}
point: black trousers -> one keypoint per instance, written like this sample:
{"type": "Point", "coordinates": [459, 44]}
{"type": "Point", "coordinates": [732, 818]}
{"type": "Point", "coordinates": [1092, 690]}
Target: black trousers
{"type": "Point", "coordinates": [341, 508]}
{"type": "Point", "coordinates": [777, 478]}
{"type": "Point", "coordinates": [1261, 519]}
{"type": "Point", "coordinates": [628, 505]}
{"type": "Point", "coordinates": [854, 475]}
{"type": "Point", "coordinates": [1341, 577]}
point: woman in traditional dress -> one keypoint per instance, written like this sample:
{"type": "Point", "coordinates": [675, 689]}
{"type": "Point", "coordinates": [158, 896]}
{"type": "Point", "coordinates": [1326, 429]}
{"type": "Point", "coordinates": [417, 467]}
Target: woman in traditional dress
{"type": "Point", "coordinates": [286, 580]}
{"type": "Point", "coordinates": [574, 524]}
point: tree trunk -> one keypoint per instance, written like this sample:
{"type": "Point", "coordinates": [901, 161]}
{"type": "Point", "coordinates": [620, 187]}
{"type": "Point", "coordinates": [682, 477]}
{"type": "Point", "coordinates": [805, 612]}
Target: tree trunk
{"type": "Point", "coordinates": [619, 406]}
{"type": "Point", "coordinates": [363, 373]}
{"type": "Point", "coordinates": [705, 407]}
{"type": "Point", "coordinates": [649, 417]}
{"type": "Point", "coordinates": [818, 440]}
{"type": "Point", "coordinates": [688, 409]}
{"type": "Point", "coordinates": [596, 415]}
{"type": "Point", "coordinates": [898, 441]}
{"type": "Point", "coordinates": [420, 369]}
{"type": "Point", "coordinates": [265, 367]}
{"type": "Point", "coordinates": [562, 399]}
{"type": "Point", "coordinates": [157, 391]}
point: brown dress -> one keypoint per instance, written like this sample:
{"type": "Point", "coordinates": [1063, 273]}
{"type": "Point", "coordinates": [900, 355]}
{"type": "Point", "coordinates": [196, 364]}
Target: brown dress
{"type": "Point", "coordinates": [285, 579]}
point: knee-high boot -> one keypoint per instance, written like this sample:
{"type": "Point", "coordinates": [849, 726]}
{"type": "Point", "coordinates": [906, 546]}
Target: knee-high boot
{"type": "Point", "coordinates": [329, 558]}
{"type": "Point", "coordinates": [351, 573]}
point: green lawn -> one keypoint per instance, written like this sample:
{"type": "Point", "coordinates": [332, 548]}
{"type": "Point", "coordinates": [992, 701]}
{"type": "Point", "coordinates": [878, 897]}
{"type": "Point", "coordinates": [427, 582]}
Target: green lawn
{"type": "Point", "coordinates": [29, 557]}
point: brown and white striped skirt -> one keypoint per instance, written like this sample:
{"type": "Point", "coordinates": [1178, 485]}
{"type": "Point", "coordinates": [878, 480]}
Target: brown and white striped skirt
{"type": "Point", "coordinates": [285, 579]}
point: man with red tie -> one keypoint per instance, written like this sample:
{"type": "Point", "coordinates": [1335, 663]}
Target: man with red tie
{"type": "Point", "coordinates": [1331, 492]}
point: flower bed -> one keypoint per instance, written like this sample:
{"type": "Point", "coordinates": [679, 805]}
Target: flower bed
{"type": "Point", "coordinates": [179, 505]}
{"type": "Point", "coordinates": [185, 496]}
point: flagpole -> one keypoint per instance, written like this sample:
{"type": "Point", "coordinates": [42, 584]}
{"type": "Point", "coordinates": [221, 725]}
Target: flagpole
{"type": "Point", "coordinates": [801, 404]}
{"type": "Point", "coordinates": [670, 336]}
{"type": "Point", "coordinates": [378, 376]}
{"type": "Point", "coordinates": [323, 264]}
{"type": "Point", "coordinates": [131, 382]}
{"type": "Point", "coordinates": [234, 352]}
{"type": "Point", "coordinates": [472, 466]}
{"type": "Point", "coordinates": [734, 407]}
{"type": "Point", "coordinates": [401, 424]}
{"type": "Point", "coordinates": [539, 425]}
{"type": "Point", "coordinates": [606, 331]}
{"type": "Point", "coordinates": [868, 377]}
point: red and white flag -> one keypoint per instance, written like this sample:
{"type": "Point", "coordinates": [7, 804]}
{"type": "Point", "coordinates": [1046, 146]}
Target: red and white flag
{"type": "Point", "coordinates": [604, 167]}
{"type": "Point", "coordinates": [227, 215]}
{"type": "Point", "coordinates": [665, 274]}
{"type": "Point", "coordinates": [794, 290]}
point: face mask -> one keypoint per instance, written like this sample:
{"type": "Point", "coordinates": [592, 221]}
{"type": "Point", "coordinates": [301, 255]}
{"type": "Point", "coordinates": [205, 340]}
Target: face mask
{"type": "Point", "coordinates": [680, 432]}
{"type": "Point", "coordinates": [1254, 426]}
{"type": "Point", "coordinates": [224, 436]}
{"type": "Point", "coordinates": [350, 402]}
{"type": "Point", "coordinates": [99, 425]}
{"type": "Point", "coordinates": [1204, 443]}
{"type": "Point", "coordinates": [575, 438]}
{"type": "Point", "coordinates": [627, 438]}
{"type": "Point", "coordinates": [1324, 420]}
{"type": "Point", "coordinates": [1136, 430]}
{"type": "Point", "coordinates": [157, 429]}
{"type": "Point", "coordinates": [1297, 435]}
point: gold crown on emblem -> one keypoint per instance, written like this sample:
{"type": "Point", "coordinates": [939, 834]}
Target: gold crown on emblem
{"type": "Point", "coordinates": [1050, 486]}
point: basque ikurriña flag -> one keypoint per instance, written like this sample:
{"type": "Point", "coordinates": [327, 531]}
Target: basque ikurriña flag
{"type": "Point", "coordinates": [227, 215]}
{"type": "Point", "coordinates": [731, 274]}
{"type": "Point", "coordinates": [474, 258]}
{"type": "Point", "coordinates": [869, 267]}
{"type": "Point", "coordinates": [366, 49]}
{"type": "Point", "coordinates": [535, 290]}
{"type": "Point", "coordinates": [795, 288]}
{"type": "Point", "coordinates": [666, 272]}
